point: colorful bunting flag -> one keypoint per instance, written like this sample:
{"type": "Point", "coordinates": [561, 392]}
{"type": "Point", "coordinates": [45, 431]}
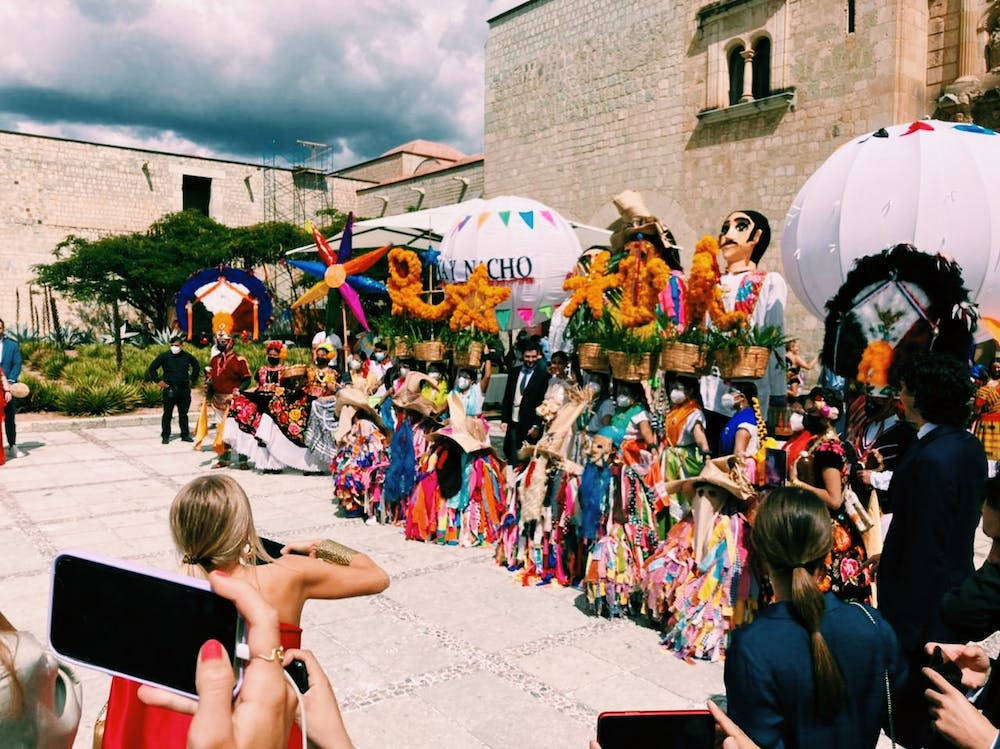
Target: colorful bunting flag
{"type": "Point", "coordinates": [504, 216]}
{"type": "Point", "coordinates": [463, 222]}
{"type": "Point", "coordinates": [528, 217]}
{"type": "Point", "coordinates": [503, 317]}
{"type": "Point", "coordinates": [526, 314]}
{"type": "Point", "coordinates": [547, 215]}
{"type": "Point", "coordinates": [546, 310]}
{"type": "Point", "coordinates": [482, 219]}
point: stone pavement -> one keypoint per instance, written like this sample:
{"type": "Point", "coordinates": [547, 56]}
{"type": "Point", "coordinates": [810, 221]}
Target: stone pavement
{"type": "Point", "coordinates": [453, 654]}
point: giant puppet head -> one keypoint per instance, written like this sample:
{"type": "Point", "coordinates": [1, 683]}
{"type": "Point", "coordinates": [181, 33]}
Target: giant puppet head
{"type": "Point", "coordinates": [743, 240]}
{"type": "Point", "coordinates": [638, 225]}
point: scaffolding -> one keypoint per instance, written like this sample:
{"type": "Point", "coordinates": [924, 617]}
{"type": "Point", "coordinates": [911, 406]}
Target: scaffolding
{"type": "Point", "coordinates": [295, 182]}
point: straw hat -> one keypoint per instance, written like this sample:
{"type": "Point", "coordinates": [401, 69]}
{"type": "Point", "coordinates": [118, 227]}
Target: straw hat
{"type": "Point", "coordinates": [558, 438]}
{"type": "Point", "coordinates": [409, 397]}
{"type": "Point", "coordinates": [349, 402]}
{"type": "Point", "coordinates": [19, 390]}
{"type": "Point", "coordinates": [725, 472]}
{"type": "Point", "coordinates": [468, 432]}
{"type": "Point", "coordinates": [637, 219]}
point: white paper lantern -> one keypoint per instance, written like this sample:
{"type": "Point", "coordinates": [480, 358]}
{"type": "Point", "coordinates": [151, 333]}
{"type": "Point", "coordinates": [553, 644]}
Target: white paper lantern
{"type": "Point", "coordinates": [935, 185]}
{"type": "Point", "coordinates": [525, 246]}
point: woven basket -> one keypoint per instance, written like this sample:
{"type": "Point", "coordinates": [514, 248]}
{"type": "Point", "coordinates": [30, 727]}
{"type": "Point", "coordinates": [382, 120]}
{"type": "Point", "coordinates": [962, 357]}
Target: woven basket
{"type": "Point", "coordinates": [683, 358]}
{"type": "Point", "coordinates": [632, 367]}
{"type": "Point", "coordinates": [749, 363]}
{"type": "Point", "coordinates": [592, 357]}
{"type": "Point", "coordinates": [401, 349]}
{"type": "Point", "coordinates": [429, 351]}
{"type": "Point", "coordinates": [470, 357]}
{"type": "Point", "coordinates": [294, 371]}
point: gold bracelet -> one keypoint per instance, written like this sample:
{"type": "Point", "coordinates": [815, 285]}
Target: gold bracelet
{"type": "Point", "coordinates": [277, 654]}
{"type": "Point", "coordinates": [334, 553]}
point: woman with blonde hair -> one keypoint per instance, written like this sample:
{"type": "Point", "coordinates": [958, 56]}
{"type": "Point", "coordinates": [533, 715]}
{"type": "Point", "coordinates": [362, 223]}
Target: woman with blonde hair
{"type": "Point", "coordinates": [212, 525]}
{"type": "Point", "coordinates": [811, 671]}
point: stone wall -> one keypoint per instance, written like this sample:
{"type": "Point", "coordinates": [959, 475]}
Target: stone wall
{"type": "Point", "coordinates": [585, 98]}
{"type": "Point", "coordinates": [52, 188]}
{"type": "Point", "coordinates": [440, 188]}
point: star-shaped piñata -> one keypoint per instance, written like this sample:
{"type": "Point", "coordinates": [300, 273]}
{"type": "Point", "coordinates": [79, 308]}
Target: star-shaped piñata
{"type": "Point", "coordinates": [340, 272]}
{"type": "Point", "coordinates": [475, 302]}
{"type": "Point", "coordinates": [591, 288]}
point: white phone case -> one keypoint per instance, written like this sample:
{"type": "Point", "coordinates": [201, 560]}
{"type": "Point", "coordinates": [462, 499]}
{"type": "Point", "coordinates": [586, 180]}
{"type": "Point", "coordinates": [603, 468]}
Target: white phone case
{"type": "Point", "coordinates": [150, 571]}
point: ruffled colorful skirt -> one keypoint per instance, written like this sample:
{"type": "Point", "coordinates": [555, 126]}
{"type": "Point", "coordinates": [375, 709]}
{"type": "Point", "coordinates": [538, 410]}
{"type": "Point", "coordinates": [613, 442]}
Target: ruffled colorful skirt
{"type": "Point", "coordinates": [358, 471]}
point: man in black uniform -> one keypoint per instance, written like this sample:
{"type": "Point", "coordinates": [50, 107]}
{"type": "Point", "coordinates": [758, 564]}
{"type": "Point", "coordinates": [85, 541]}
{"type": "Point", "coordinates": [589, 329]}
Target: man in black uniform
{"type": "Point", "coordinates": [175, 371]}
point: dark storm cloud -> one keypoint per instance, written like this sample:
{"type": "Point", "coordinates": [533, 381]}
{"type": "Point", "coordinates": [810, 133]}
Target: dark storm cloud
{"type": "Point", "coordinates": [246, 78]}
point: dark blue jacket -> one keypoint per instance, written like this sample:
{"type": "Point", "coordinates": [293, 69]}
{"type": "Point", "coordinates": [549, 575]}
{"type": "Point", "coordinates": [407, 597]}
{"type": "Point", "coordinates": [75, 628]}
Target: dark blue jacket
{"type": "Point", "coordinates": [936, 494]}
{"type": "Point", "coordinates": [769, 677]}
{"type": "Point", "coordinates": [10, 358]}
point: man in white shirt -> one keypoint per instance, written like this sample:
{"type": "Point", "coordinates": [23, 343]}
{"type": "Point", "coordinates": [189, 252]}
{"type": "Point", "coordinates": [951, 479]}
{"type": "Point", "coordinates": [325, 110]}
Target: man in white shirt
{"type": "Point", "coordinates": [524, 393]}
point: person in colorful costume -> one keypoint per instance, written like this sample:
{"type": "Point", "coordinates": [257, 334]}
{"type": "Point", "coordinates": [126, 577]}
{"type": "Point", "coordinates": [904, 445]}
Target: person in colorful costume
{"type": "Point", "coordinates": [685, 447]}
{"type": "Point", "coordinates": [745, 430]}
{"type": "Point", "coordinates": [986, 408]}
{"type": "Point", "coordinates": [743, 240]}
{"type": "Point", "coordinates": [700, 582]}
{"type": "Point", "coordinates": [247, 407]}
{"type": "Point", "coordinates": [458, 497]}
{"type": "Point", "coordinates": [822, 467]}
{"type": "Point", "coordinates": [471, 388]}
{"type": "Point", "coordinates": [416, 417]}
{"type": "Point", "coordinates": [362, 456]}
{"type": "Point", "coordinates": [227, 373]}
{"type": "Point", "coordinates": [540, 534]}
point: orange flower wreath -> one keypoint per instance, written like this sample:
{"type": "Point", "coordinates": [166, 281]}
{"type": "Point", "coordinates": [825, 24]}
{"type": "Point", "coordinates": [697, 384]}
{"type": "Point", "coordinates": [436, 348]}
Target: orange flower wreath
{"type": "Point", "coordinates": [641, 284]}
{"type": "Point", "coordinates": [406, 288]}
{"type": "Point", "coordinates": [590, 288]}
{"type": "Point", "coordinates": [704, 294]}
{"type": "Point", "coordinates": [475, 302]}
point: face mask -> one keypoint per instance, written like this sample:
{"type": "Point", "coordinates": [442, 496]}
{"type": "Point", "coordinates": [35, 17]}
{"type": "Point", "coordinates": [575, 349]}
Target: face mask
{"type": "Point", "coordinates": [463, 383]}
{"type": "Point", "coordinates": [435, 376]}
{"type": "Point", "coordinates": [872, 408]}
{"type": "Point", "coordinates": [272, 360]}
{"type": "Point", "coordinates": [322, 362]}
{"type": "Point", "coordinates": [403, 371]}
{"type": "Point", "coordinates": [677, 396]}
{"type": "Point", "coordinates": [623, 401]}
{"type": "Point", "coordinates": [355, 365]}
{"type": "Point", "coordinates": [379, 356]}
{"type": "Point", "coordinates": [175, 349]}
{"type": "Point", "coordinates": [813, 424]}
{"type": "Point", "coordinates": [795, 422]}
{"type": "Point", "coordinates": [728, 400]}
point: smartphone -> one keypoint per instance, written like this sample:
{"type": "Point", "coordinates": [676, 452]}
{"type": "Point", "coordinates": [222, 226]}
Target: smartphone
{"type": "Point", "coordinates": [775, 467]}
{"type": "Point", "coordinates": [663, 729]}
{"type": "Point", "coordinates": [140, 622]}
{"type": "Point", "coordinates": [946, 668]}
{"type": "Point", "coordinates": [273, 548]}
{"type": "Point", "coordinates": [300, 674]}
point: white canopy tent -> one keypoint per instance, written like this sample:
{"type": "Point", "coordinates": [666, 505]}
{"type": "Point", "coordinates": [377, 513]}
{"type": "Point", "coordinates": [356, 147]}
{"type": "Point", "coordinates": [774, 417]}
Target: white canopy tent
{"type": "Point", "coordinates": [421, 230]}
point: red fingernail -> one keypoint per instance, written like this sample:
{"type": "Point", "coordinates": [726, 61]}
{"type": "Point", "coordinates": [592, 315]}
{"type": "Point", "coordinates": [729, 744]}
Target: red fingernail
{"type": "Point", "coordinates": [211, 650]}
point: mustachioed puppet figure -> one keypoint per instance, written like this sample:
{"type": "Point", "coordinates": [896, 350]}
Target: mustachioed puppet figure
{"type": "Point", "coordinates": [743, 239]}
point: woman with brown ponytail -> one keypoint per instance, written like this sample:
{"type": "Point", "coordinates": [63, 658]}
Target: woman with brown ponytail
{"type": "Point", "coordinates": [811, 671]}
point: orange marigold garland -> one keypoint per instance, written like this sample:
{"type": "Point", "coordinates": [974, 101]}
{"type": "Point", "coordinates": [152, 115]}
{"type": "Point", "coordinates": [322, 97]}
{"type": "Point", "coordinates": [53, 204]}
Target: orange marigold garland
{"type": "Point", "coordinates": [642, 283]}
{"type": "Point", "coordinates": [704, 294]}
{"type": "Point", "coordinates": [406, 288]}
{"type": "Point", "coordinates": [590, 288]}
{"type": "Point", "coordinates": [475, 301]}
{"type": "Point", "coordinates": [873, 369]}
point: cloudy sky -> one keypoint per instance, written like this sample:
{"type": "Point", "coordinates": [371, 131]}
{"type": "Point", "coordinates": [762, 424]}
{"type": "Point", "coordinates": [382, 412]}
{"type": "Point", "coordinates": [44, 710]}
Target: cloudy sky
{"type": "Point", "coordinates": [247, 78]}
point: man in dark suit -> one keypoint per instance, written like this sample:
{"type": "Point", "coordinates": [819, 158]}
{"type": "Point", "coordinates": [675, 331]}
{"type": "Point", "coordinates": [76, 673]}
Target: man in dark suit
{"type": "Point", "coordinates": [524, 394]}
{"type": "Point", "coordinates": [936, 493]}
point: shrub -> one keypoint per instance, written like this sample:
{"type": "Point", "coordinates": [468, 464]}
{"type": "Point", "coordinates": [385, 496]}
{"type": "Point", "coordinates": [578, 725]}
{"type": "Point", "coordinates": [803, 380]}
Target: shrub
{"type": "Point", "coordinates": [54, 364]}
{"type": "Point", "coordinates": [97, 351]}
{"type": "Point", "coordinates": [96, 399]}
{"type": "Point", "coordinates": [151, 395]}
{"type": "Point", "coordinates": [88, 368]}
{"type": "Point", "coordinates": [43, 395]}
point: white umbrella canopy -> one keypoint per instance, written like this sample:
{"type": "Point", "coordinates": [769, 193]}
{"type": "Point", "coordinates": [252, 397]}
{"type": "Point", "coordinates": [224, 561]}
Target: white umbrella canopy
{"type": "Point", "coordinates": [525, 246]}
{"type": "Point", "coordinates": [931, 184]}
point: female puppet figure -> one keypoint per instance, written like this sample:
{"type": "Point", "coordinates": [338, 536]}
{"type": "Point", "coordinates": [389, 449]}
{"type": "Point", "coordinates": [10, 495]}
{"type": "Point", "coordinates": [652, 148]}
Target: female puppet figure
{"type": "Point", "coordinates": [362, 457]}
{"type": "Point", "coordinates": [699, 582]}
{"type": "Point", "coordinates": [415, 418]}
{"type": "Point", "coordinates": [458, 499]}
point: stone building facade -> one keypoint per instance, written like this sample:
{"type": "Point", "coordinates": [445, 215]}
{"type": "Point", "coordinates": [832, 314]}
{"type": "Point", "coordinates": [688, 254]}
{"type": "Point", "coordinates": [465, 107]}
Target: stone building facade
{"type": "Point", "coordinates": [54, 187]}
{"type": "Point", "coordinates": [703, 107]}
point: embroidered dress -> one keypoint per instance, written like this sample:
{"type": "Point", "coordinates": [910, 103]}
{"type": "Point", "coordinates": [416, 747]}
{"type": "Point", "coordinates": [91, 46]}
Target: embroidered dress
{"type": "Point", "coordinates": [845, 575]}
{"type": "Point", "coordinates": [358, 469]}
{"type": "Point", "coordinates": [987, 424]}
{"type": "Point", "coordinates": [679, 459]}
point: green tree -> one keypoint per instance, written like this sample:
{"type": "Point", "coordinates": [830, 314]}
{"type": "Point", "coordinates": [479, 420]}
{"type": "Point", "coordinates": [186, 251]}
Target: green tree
{"type": "Point", "coordinates": [146, 269]}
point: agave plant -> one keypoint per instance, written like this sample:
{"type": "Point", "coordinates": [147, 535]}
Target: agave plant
{"type": "Point", "coordinates": [127, 336]}
{"type": "Point", "coordinates": [73, 337]}
{"type": "Point", "coordinates": [24, 333]}
{"type": "Point", "coordinates": [162, 337]}
{"type": "Point", "coordinates": [94, 398]}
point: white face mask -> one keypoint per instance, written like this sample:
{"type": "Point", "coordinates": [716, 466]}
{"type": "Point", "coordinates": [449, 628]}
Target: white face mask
{"type": "Point", "coordinates": [403, 371]}
{"type": "Point", "coordinates": [677, 396]}
{"type": "Point", "coordinates": [379, 356]}
{"type": "Point", "coordinates": [355, 365]}
{"type": "Point", "coordinates": [728, 400]}
{"type": "Point", "coordinates": [175, 349]}
{"type": "Point", "coordinates": [623, 401]}
{"type": "Point", "coordinates": [462, 383]}
{"type": "Point", "coordinates": [435, 376]}
{"type": "Point", "coordinates": [795, 422]}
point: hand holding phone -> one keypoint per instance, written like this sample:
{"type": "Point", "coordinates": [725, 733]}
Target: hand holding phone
{"type": "Point", "coordinates": [664, 729]}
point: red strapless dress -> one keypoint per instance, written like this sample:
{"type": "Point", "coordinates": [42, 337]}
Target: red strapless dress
{"type": "Point", "coordinates": [131, 724]}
